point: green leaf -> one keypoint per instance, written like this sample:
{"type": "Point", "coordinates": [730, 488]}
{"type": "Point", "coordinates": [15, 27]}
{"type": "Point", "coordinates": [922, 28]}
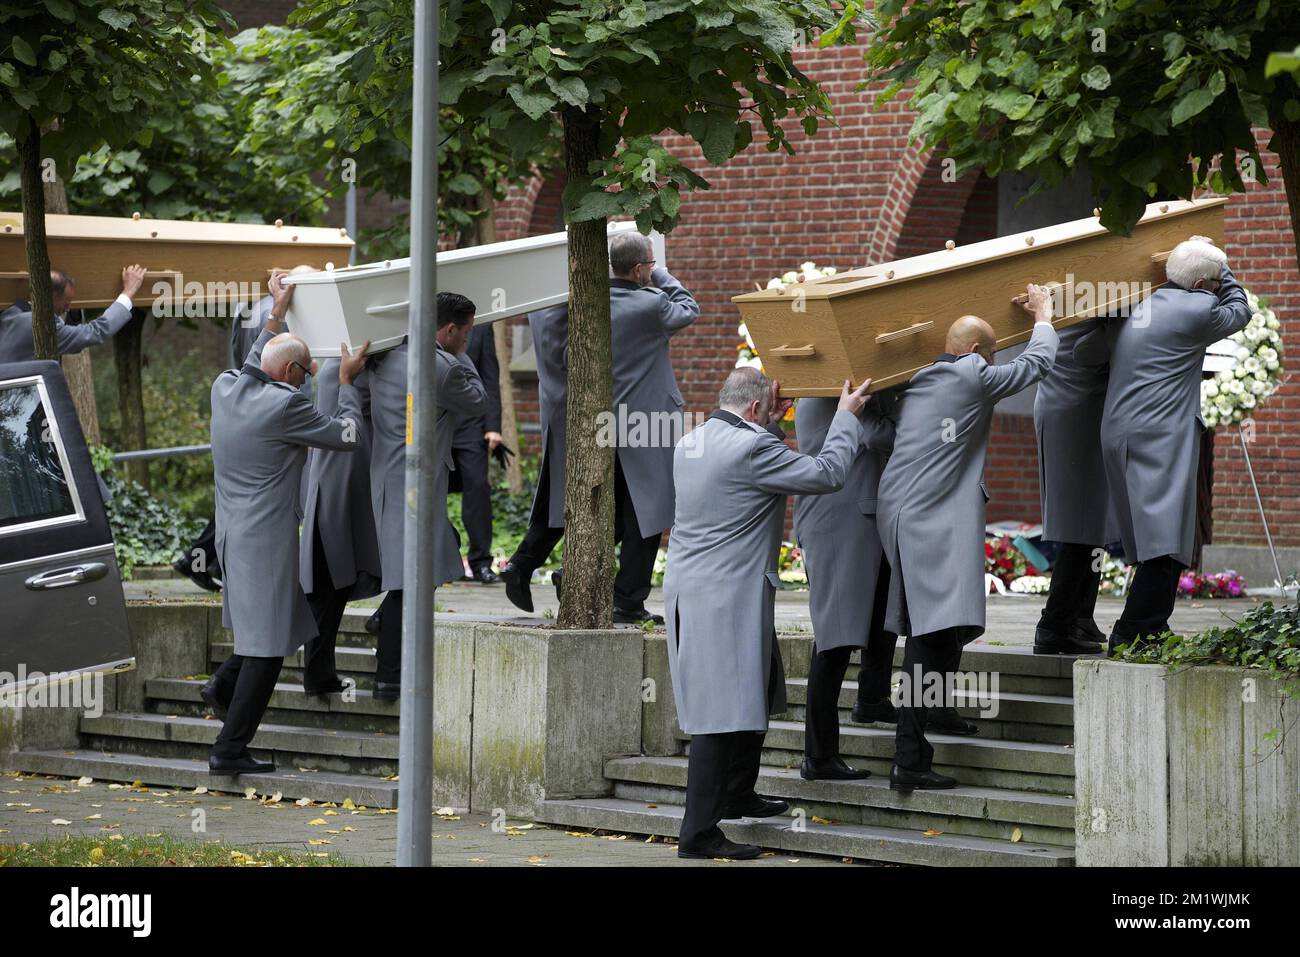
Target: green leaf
{"type": "Point", "coordinates": [1191, 104]}
{"type": "Point", "coordinates": [63, 9]}
{"type": "Point", "coordinates": [670, 201]}
{"type": "Point", "coordinates": [1012, 103]}
{"type": "Point", "coordinates": [570, 89]}
{"type": "Point", "coordinates": [464, 183]}
{"type": "Point", "coordinates": [1097, 78]}
{"type": "Point", "coordinates": [598, 205]}
{"type": "Point", "coordinates": [8, 74]}
{"type": "Point", "coordinates": [1173, 44]}
{"type": "Point", "coordinates": [116, 18]}
{"type": "Point", "coordinates": [23, 51]}
{"type": "Point", "coordinates": [719, 136]}
{"type": "Point", "coordinates": [535, 105]}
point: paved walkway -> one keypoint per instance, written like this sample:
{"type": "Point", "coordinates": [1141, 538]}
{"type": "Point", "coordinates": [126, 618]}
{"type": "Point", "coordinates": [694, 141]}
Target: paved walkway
{"type": "Point", "coordinates": [1011, 620]}
{"type": "Point", "coordinates": [35, 807]}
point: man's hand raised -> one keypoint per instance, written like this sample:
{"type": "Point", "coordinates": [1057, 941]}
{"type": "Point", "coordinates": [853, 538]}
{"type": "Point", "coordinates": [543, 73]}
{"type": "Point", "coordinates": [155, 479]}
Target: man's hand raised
{"type": "Point", "coordinates": [351, 364]}
{"type": "Point", "coordinates": [132, 280]}
{"type": "Point", "coordinates": [854, 401]}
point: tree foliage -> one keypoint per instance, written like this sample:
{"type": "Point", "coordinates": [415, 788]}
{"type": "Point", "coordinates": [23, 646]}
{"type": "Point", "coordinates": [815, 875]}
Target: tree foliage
{"type": "Point", "coordinates": [1147, 94]}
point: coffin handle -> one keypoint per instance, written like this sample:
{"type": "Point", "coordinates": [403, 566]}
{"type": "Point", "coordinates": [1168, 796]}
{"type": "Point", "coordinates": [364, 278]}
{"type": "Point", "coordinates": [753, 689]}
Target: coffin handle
{"type": "Point", "coordinates": [1158, 259]}
{"type": "Point", "coordinates": [792, 352]}
{"type": "Point", "coordinates": [402, 306]}
{"type": "Point", "coordinates": [904, 333]}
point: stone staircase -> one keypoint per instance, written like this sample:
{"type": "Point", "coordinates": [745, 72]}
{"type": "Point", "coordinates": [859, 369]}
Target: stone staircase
{"type": "Point", "coordinates": [1015, 805]}
{"type": "Point", "coordinates": [325, 749]}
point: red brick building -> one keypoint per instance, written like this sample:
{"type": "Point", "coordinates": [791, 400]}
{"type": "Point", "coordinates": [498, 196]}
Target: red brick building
{"type": "Point", "coordinates": [859, 194]}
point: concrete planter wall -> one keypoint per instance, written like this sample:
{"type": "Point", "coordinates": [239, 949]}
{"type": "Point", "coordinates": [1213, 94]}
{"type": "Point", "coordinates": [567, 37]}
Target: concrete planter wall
{"type": "Point", "coordinates": [1178, 767]}
{"type": "Point", "coordinates": [523, 715]}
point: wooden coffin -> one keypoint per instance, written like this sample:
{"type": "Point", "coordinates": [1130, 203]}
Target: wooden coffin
{"type": "Point", "coordinates": [371, 302]}
{"type": "Point", "coordinates": [186, 261]}
{"type": "Point", "coordinates": [886, 322]}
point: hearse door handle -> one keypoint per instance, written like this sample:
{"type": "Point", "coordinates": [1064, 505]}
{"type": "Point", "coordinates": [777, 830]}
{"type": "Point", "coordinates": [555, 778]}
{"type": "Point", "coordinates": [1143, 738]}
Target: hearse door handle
{"type": "Point", "coordinates": [63, 577]}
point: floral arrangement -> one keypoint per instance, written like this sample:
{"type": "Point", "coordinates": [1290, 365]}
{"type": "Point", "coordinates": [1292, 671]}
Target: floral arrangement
{"type": "Point", "coordinates": [1226, 584]}
{"type": "Point", "coordinates": [1114, 577]}
{"type": "Point", "coordinates": [1229, 397]}
{"type": "Point", "coordinates": [1004, 561]}
{"type": "Point", "coordinates": [790, 564]}
{"type": "Point", "coordinates": [1031, 585]}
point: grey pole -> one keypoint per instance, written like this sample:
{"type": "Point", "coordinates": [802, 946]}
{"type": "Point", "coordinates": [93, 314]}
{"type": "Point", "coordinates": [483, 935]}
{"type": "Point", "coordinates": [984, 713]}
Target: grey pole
{"type": "Point", "coordinates": [1259, 502]}
{"type": "Point", "coordinates": [350, 220]}
{"type": "Point", "coordinates": [415, 746]}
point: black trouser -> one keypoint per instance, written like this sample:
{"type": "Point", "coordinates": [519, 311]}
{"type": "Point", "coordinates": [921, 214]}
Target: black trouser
{"type": "Point", "coordinates": [470, 453]}
{"type": "Point", "coordinates": [327, 605]}
{"type": "Point", "coordinates": [927, 660]}
{"type": "Point", "coordinates": [388, 648]}
{"type": "Point", "coordinates": [1072, 596]}
{"type": "Point", "coordinates": [826, 678]}
{"type": "Point", "coordinates": [721, 772]}
{"type": "Point", "coordinates": [248, 683]}
{"type": "Point", "coordinates": [206, 547]}
{"type": "Point", "coordinates": [1150, 601]}
{"type": "Point", "coordinates": [636, 556]}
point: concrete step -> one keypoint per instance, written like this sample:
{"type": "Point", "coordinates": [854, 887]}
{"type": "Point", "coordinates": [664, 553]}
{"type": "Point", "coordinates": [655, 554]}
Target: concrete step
{"type": "Point", "coordinates": [860, 841]}
{"type": "Point", "coordinates": [289, 705]}
{"type": "Point", "coordinates": [323, 786]}
{"type": "Point", "coordinates": [357, 664]}
{"type": "Point", "coordinates": [351, 752]}
{"type": "Point", "coordinates": [976, 811]}
{"type": "Point", "coordinates": [1019, 670]}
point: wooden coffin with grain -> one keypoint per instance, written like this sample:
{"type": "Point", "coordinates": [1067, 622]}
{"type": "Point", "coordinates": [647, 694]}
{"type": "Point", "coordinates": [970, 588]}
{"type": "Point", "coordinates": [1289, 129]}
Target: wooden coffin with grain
{"type": "Point", "coordinates": [888, 321]}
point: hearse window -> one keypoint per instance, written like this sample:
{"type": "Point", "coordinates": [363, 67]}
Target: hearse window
{"type": "Point", "coordinates": [35, 489]}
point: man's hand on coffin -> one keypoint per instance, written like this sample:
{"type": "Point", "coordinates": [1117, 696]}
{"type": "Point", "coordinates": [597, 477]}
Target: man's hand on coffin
{"type": "Point", "coordinates": [777, 406]}
{"type": "Point", "coordinates": [132, 280]}
{"type": "Point", "coordinates": [855, 400]}
{"type": "Point", "coordinates": [351, 364]}
{"type": "Point", "coordinates": [1036, 300]}
{"type": "Point", "coordinates": [281, 295]}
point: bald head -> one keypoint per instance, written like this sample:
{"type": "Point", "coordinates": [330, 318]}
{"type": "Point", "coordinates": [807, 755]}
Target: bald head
{"type": "Point", "coordinates": [971, 334]}
{"type": "Point", "coordinates": [279, 356]}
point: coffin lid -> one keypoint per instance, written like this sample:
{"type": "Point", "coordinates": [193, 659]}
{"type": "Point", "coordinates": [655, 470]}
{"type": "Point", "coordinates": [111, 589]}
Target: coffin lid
{"type": "Point", "coordinates": [126, 228]}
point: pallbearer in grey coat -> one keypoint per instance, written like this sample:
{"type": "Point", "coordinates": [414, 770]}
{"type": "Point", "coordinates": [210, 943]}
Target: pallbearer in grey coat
{"type": "Point", "coordinates": [16, 322]}
{"type": "Point", "coordinates": [1072, 491]}
{"type": "Point", "coordinates": [460, 393]}
{"type": "Point", "coordinates": [931, 518]}
{"type": "Point", "coordinates": [1151, 430]}
{"type": "Point", "coordinates": [848, 587]}
{"type": "Point", "coordinates": [338, 551]}
{"type": "Point", "coordinates": [262, 428]}
{"type": "Point", "coordinates": [732, 477]}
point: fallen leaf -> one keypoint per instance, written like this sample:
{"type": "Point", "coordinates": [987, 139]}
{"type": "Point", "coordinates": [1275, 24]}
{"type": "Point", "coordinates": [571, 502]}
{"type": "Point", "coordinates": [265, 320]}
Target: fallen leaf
{"type": "Point", "coordinates": [60, 822]}
{"type": "Point", "coordinates": [200, 790]}
{"type": "Point", "coordinates": [317, 841]}
{"type": "Point", "coordinates": [319, 822]}
{"type": "Point", "coordinates": [94, 817]}
{"type": "Point", "coordinates": [250, 793]}
{"type": "Point", "coordinates": [303, 802]}
{"type": "Point", "coordinates": [83, 782]}
{"type": "Point", "coordinates": [1016, 836]}
{"type": "Point", "coordinates": [96, 855]}
{"type": "Point", "coordinates": [347, 805]}
{"type": "Point", "coordinates": [931, 833]}
{"type": "Point", "coordinates": [445, 811]}
{"type": "Point", "coordinates": [820, 820]}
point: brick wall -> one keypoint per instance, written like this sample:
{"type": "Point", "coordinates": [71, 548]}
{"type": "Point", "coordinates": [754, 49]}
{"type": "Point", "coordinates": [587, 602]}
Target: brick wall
{"type": "Point", "coordinates": [858, 193]}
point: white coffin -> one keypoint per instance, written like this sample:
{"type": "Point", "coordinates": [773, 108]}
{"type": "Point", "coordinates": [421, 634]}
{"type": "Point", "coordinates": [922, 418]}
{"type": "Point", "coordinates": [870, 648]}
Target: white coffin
{"type": "Point", "coordinates": [372, 301]}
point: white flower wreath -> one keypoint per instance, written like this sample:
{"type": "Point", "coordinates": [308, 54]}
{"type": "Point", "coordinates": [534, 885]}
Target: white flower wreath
{"type": "Point", "coordinates": [1255, 372]}
{"type": "Point", "coordinates": [746, 353]}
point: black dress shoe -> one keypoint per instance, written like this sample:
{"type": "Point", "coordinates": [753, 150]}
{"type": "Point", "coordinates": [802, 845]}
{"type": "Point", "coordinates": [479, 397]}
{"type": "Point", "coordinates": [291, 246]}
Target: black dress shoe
{"type": "Point", "coordinates": [720, 848]}
{"type": "Point", "coordinates": [948, 721]}
{"type": "Point", "coordinates": [213, 698]}
{"type": "Point", "coordinates": [1085, 629]}
{"type": "Point", "coordinates": [901, 779]}
{"type": "Point", "coordinates": [883, 712]}
{"type": "Point", "coordinates": [485, 576]}
{"type": "Point", "coordinates": [372, 623]}
{"type": "Point", "coordinates": [246, 764]}
{"type": "Point", "coordinates": [756, 806]}
{"type": "Point", "coordinates": [635, 616]}
{"type": "Point", "coordinates": [202, 579]}
{"type": "Point", "coordinates": [1050, 643]}
{"type": "Point", "coordinates": [517, 589]}
{"type": "Point", "coordinates": [387, 690]}
{"type": "Point", "coordinates": [338, 686]}
{"type": "Point", "coordinates": [834, 769]}
{"type": "Point", "coordinates": [557, 579]}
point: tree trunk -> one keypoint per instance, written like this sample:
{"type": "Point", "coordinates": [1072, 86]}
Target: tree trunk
{"type": "Point", "coordinates": [588, 596]}
{"type": "Point", "coordinates": [77, 367]}
{"type": "Point", "coordinates": [127, 346]}
{"type": "Point", "coordinates": [44, 342]}
{"type": "Point", "coordinates": [1286, 139]}
{"type": "Point", "coordinates": [487, 233]}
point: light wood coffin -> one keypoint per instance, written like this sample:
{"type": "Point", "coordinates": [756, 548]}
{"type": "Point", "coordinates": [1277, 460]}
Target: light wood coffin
{"type": "Point", "coordinates": [372, 301]}
{"type": "Point", "coordinates": [187, 261]}
{"type": "Point", "coordinates": [887, 322]}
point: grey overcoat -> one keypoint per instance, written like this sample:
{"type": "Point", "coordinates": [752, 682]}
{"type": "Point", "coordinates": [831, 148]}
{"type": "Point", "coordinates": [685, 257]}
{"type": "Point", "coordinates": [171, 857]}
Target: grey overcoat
{"type": "Point", "coordinates": [932, 497]}
{"type": "Point", "coordinates": [16, 332]}
{"type": "Point", "coordinates": [460, 393]}
{"type": "Point", "coordinates": [261, 431]}
{"type": "Point", "coordinates": [732, 480]}
{"type": "Point", "coordinates": [1150, 430]}
{"type": "Point", "coordinates": [338, 501]}
{"type": "Point", "coordinates": [550, 331]}
{"type": "Point", "coordinates": [1067, 423]}
{"type": "Point", "coordinates": [837, 531]}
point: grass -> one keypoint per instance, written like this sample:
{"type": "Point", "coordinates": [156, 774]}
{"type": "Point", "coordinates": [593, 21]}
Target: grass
{"type": "Point", "coordinates": [160, 851]}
